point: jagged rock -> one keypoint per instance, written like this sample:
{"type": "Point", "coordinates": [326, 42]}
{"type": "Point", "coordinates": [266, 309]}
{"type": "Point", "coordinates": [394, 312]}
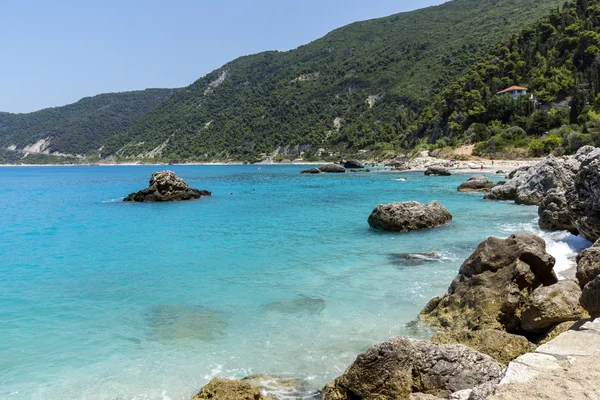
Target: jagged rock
{"type": "Point", "coordinates": [166, 186]}
{"type": "Point", "coordinates": [332, 168]}
{"type": "Point", "coordinates": [590, 297]}
{"type": "Point", "coordinates": [423, 396]}
{"type": "Point", "coordinates": [437, 171]}
{"type": "Point", "coordinates": [353, 164]}
{"type": "Point", "coordinates": [554, 213]}
{"type": "Point", "coordinates": [530, 186]}
{"type": "Point", "coordinates": [552, 305]}
{"type": "Point", "coordinates": [408, 216]}
{"type": "Point", "coordinates": [514, 172]}
{"type": "Point", "coordinates": [588, 265]}
{"type": "Point", "coordinates": [401, 366]}
{"type": "Point", "coordinates": [493, 285]}
{"type": "Point", "coordinates": [477, 183]}
{"type": "Point", "coordinates": [583, 197]}
{"type": "Point", "coordinates": [311, 171]}
{"type": "Point", "coordinates": [503, 347]}
{"type": "Point", "coordinates": [226, 389]}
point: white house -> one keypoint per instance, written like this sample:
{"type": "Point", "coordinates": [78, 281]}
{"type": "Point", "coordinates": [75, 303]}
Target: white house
{"type": "Point", "coordinates": [514, 91]}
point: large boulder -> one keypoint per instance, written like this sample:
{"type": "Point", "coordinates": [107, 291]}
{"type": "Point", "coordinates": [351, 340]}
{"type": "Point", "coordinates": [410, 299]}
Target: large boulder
{"type": "Point", "coordinates": [477, 183]}
{"type": "Point", "coordinates": [588, 265]}
{"type": "Point", "coordinates": [583, 197]}
{"type": "Point", "coordinates": [590, 297]}
{"type": "Point", "coordinates": [311, 171]}
{"type": "Point", "coordinates": [166, 186]}
{"type": "Point", "coordinates": [401, 366]}
{"type": "Point", "coordinates": [437, 171]}
{"type": "Point", "coordinates": [552, 305]}
{"type": "Point", "coordinates": [332, 168]}
{"type": "Point", "coordinates": [530, 186]}
{"type": "Point", "coordinates": [493, 285]}
{"type": "Point", "coordinates": [353, 164]}
{"type": "Point", "coordinates": [226, 389]}
{"type": "Point", "coordinates": [408, 216]}
{"type": "Point", "coordinates": [503, 347]}
{"type": "Point", "coordinates": [554, 213]}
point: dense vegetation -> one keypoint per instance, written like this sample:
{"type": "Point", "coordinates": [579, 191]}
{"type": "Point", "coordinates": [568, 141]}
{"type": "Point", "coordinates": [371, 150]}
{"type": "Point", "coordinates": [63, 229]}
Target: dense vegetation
{"type": "Point", "coordinates": [82, 127]}
{"type": "Point", "coordinates": [361, 86]}
{"type": "Point", "coordinates": [558, 59]}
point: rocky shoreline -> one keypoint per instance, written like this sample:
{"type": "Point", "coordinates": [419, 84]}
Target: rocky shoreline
{"type": "Point", "coordinates": [508, 328]}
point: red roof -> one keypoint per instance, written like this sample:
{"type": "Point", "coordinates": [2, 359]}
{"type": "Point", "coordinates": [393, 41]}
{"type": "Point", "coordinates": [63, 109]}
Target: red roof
{"type": "Point", "coordinates": [510, 89]}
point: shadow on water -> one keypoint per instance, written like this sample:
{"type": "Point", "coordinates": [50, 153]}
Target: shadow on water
{"type": "Point", "coordinates": [183, 322]}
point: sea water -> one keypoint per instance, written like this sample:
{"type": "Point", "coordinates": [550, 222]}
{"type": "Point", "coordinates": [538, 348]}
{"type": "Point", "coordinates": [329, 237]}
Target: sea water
{"type": "Point", "coordinates": [276, 273]}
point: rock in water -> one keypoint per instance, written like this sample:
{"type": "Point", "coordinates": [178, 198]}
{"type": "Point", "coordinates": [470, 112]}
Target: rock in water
{"type": "Point", "coordinates": [397, 368]}
{"type": "Point", "coordinates": [226, 389]}
{"type": "Point", "coordinates": [437, 171]}
{"type": "Point", "coordinates": [503, 347]}
{"type": "Point", "coordinates": [166, 186]}
{"type": "Point", "coordinates": [332, 168]}
{"type": "Point", "coordinates": [552, 305]}
{"type": "Point", "coordinates": [493, 285]}
{"type": "Point", "coordinates": [588, 265]}
{"type": "Point", "coordinates": [353, 164]}
{"type": "Point", "coordinates": [408, 216]}
{"type": "Point", "coordinates": [311, 171]}
{"type": "Point", "coordinates": [477, 183]}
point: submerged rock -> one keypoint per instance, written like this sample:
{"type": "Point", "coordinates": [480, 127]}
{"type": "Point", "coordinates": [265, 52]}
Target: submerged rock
{"type": "Point", "coordinates": [415, 258]}
{"type": "Point", "coordinates": [477, 183]}
{"type": "Point", "coordinates": [493, 285]}
{"type": "Point", "coordinates": [437, 171]}
{"type": "Point", "coordinates": [503, 347]}
{"type": "Point", "coordinates": [353, 164]}
{"type": "Point", "coordinates": [332, 168]}
{"type": "Point", "coordinates": [227, 389]}
{"type": "Point", "coordinates": [299, 304]}
{"type": "Point", "coordinates": [166, 186]}
{"type": "Point", "coordinates": [168, 322]}
{"type": "Point", "coordinates": [408, 216]}
{"type": "Point", "coordinates": [401, 366]}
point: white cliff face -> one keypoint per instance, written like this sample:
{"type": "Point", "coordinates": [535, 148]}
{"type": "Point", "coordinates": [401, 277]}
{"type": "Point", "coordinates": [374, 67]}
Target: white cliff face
{"type": "Point", "coordinates": [38, 147]}
{"type": "Point", "coordinates": [216, 83]}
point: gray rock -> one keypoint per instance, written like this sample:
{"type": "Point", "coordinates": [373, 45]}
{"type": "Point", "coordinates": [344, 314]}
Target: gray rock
{"type": "Point", "coordinates": [401, 366]}
{"type": "Point", "coordinates": [583, 197]}
{"type": "Point", "coordinates": [493, 285]}
{"type": "Point", "coordinates": [590, 297]}
{"type": "Point", "coordinates": [477, 183]}
{"type": "Point", "coordinates": [554, 213]}
{"type": "Point", "coordinates": [588, 265]}
{"type": "Point", "coordinates": [552, 305]}
{"type": "Point", "coordinates": [437, 171]}
{"type": "Point", "coordinates": [311, 171]}
{"type": "Point", "coordinates": [408, 216]}
{"type": "Point", "coordinates": [332, 168]}
{"type": "Point", "coordinates": [353, 164]}
{"type": "Point", "coordinates": [166, 186]}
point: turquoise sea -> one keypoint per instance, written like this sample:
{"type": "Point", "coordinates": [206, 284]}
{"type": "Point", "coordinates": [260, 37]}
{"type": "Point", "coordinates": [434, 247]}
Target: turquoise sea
{"type": "Point", "coordinates": [276, 273]}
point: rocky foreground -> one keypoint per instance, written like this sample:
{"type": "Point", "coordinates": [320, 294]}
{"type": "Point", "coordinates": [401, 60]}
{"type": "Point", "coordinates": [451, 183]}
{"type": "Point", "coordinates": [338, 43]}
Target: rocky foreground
{"type": "Point", "coordinates": [508, 328]}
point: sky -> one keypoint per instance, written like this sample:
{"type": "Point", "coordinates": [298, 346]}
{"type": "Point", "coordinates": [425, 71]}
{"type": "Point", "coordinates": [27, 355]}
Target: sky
{"type": "Point", "coordinates": [54, 53]}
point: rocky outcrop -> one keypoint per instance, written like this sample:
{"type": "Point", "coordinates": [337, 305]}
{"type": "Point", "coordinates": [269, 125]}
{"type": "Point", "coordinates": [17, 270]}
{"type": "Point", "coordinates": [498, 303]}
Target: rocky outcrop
{"type": "Point", "coordinates": [166, 186]}
{"type": "Point", "coordinates": [590, 297]}
{"type": "Point", "coordinates": [437, 171]}
{"type": "Point", "coordinates": [311, 171]}
{"type": "Point", "coordinates": [588, 265]}
{"type": "Point", "coordinates": [399, 367]}
{"type": "Point", "coordinates": [332, 168]}
{"type": "Point", "coordinates": [353, 164]}
{"type": "Point", "coordinates": [408, 216]}
{"type": "Point", "coordinates": [552, 305]}
{"type": "Point", "coordinates": [503, 347]}
{"type": "Point", "coordinates": [530, 186]}
{"type": "Point", "coordinates": [554, 213]}
{"type": "Point", "coordinates": [583, 197]}
{"type": "Point", "coordinates": [477, 183]}
{"type": "Point", "coordinates": [226, 389]}
{"type": "Point", "coordinates": [493, 285]}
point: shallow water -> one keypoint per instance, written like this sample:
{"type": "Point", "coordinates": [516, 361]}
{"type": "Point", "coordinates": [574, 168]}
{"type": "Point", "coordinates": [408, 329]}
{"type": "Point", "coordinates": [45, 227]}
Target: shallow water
{"type": "Point", "coordinates": [275, 273]}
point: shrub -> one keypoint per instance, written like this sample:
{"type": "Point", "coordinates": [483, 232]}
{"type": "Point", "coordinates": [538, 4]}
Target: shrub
{"type": "Point", "coordinates": [545, 146]}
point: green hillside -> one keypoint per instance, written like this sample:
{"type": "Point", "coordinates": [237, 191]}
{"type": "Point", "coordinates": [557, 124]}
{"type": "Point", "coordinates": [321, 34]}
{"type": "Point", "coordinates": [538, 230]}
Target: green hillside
{"type": "Point", "coordinates": [82, 127]}
{"type": "Point", "coordinates": [355, 88]}
{"type": "Point", "coordinates": [558, 59]}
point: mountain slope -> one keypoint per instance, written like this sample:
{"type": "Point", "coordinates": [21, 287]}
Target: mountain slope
{"type": "Point", "coordinates": [355, 87]}
{"type": "Point", "coordinates": [78, 128]}
{"type": "Point", "coordinates": [557, 59]}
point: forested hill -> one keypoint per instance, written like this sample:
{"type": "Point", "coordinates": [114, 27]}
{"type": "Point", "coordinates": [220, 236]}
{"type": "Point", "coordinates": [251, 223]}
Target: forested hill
{"type": "Point", "coordinates": [78, 128]}
{"type": "Point", "coordinates": [355, 88]}
{"type": "Point", "coordinates": [558, 60]}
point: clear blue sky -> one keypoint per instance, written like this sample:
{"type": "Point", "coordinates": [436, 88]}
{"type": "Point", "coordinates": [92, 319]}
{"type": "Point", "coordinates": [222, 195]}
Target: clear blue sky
{"type": "Point", "coordinates": [56, 52]}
